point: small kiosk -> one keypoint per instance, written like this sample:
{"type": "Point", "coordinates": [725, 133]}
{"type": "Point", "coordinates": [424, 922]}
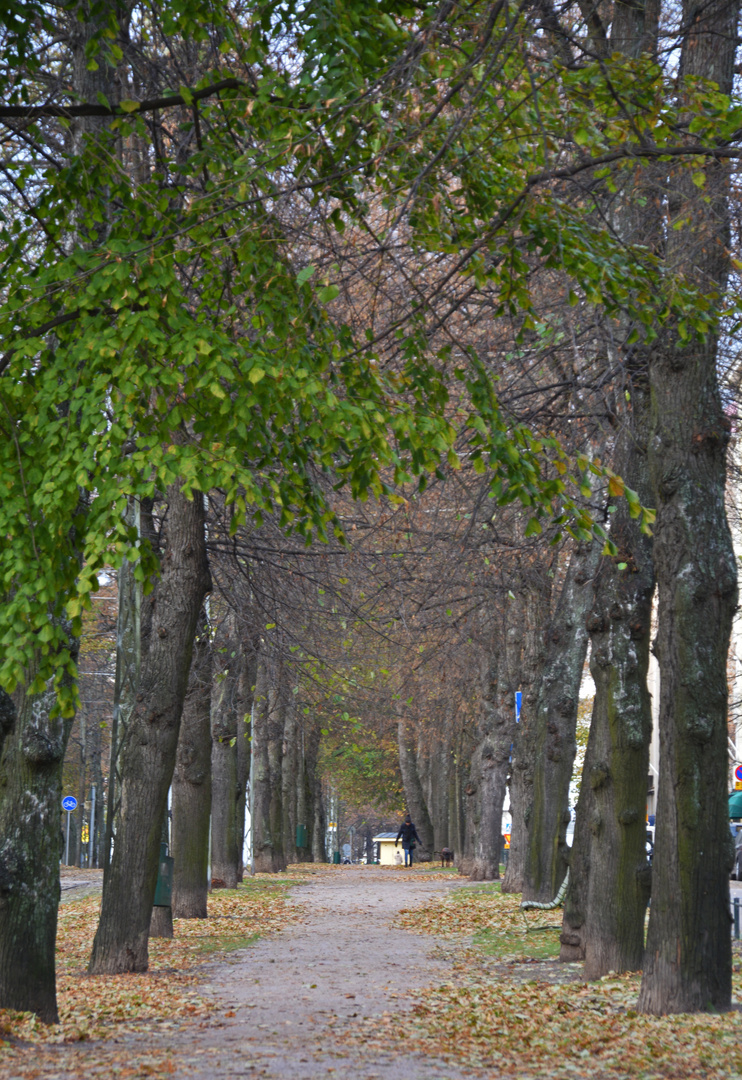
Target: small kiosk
{"type": "Point", "coordinates": [385, 851]}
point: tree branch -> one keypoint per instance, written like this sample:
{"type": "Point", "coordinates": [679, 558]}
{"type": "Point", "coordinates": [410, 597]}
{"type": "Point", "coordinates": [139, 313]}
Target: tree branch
{"type": "Point", "coordinates": [33, 112]}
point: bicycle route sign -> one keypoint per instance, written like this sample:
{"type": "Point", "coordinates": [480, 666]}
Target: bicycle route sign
{"type": "Point", "coordinates": [69, 803]}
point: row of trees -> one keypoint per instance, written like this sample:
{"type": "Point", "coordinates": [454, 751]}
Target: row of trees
{"type": "Point", "coordinates": [473, 259]}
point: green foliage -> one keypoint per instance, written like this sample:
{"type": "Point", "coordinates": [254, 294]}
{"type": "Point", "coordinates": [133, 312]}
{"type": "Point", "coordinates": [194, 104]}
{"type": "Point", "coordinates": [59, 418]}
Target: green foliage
{"type": "Point", "coordinates": [363, 766]}
{"type": "Point", "coordinates": [161, 330]}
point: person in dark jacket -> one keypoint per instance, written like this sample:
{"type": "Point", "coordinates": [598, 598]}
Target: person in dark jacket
{"type": "Point", "coordinates": [408, 833]}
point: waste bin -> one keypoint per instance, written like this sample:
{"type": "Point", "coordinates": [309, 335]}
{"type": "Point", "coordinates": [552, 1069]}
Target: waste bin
{"type": "Point", "coordinates": [164, 888]}
{"type": "Point", "coordinates": [336, 858]}
{"type": "Point", "coordinates": [301, 836]}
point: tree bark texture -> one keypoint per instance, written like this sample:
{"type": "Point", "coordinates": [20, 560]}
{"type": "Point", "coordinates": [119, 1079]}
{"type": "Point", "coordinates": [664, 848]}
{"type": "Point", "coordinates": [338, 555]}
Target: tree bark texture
{"type": "Point", "coordinates": [32, 749]}
{"type": "Point", "coordinates": [267, 822]}
{"type": "Point", "coordinates": [610, 877]}
{"type": "Point", "coordinates": [547, 814]}
{"type": "Point", "coordinates": [248, 674]}
{"type": "Point", "coordinates": [413, 789]}
{"type": "Point", "coordinates": [226, 720]}
{"type": "Point", "coordinates": [319, 831]}
{"type": "Point", "coordinates": [291, 777]}
{"type": "Point", "coordinates": [191, 805]}
{"type": "Point", "coordinates": [687, 966]}
{"type": "Point", "coordinates": [536, 616]}
{"type": "Point", "coordinates": [149, 752]}
{"type": "Point", "coordinates": [31, 847]}
{"type": "Point", "coordinates": [496, 724]}
{"type": "Point", "coordinates": [456, 811]}
{"type": "Point", "coordinates": [611, 896]}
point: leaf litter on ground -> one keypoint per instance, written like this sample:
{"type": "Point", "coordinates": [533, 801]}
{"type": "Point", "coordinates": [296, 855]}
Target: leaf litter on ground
{"type": "Point", "coordinates": [93, 1007]}
{"type": "Point", "coordinates": [511, 1006]}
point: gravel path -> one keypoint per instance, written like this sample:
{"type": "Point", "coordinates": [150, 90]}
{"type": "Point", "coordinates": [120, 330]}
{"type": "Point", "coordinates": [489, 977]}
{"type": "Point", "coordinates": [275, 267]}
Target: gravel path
{"type": "Point", "coordinates": [288, 1007]}
{"type": "Point", "coordinates": [295, 996]}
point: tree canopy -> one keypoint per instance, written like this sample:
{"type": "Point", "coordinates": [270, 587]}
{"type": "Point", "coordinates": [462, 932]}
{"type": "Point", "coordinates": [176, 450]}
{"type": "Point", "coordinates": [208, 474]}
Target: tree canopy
{"type": "Point", "coordinates": [175, 176]}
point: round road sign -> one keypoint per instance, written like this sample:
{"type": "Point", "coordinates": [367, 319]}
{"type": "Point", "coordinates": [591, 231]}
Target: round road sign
{"type": "Point", "coordinates": [69, 803]}
{"type": "Point", "coordinates": [738, 773]}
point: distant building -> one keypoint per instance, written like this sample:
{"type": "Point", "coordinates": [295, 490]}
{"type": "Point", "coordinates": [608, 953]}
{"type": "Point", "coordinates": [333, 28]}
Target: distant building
{"type": "Point", "coordinates": [384, 849]}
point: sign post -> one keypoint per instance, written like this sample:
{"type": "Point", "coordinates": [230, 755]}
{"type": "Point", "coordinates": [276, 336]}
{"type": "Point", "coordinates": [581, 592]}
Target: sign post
{"type": "Point", "coordinates": [69, 803]}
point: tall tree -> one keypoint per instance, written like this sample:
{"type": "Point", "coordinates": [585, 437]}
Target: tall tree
{"type": "Point", "coordinates": [496, 731]}
{"type": "Point", "coordinates": [605, 906]}
{"type": "Point", "coordinates": [267, 737]}
{"type": "Point", "coordinates": [547, 814]}
{"type": "Point", "coordinates": [536, 616]}
{"type": "Point", "coordinates": [413, 789]}
{"type": "Point", "coordinates": [31, 850]}
{"type": "Point", "coordinates": [227, 719]}
{"type": "Point", "coordinates": [148, 754]}
{"type": "Point", "coordinates": [191, 804]}
{"type": "Point", "coordinates": [688, 959]}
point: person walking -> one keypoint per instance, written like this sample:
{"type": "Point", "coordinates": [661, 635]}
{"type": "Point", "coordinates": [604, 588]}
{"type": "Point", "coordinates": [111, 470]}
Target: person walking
{"type": "Point", "coordinates": [408, 833]}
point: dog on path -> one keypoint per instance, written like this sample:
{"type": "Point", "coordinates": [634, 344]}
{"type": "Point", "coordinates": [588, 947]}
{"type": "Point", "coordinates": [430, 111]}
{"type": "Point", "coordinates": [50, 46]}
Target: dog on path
{"type": "Point", "coordinates": [446, 857]}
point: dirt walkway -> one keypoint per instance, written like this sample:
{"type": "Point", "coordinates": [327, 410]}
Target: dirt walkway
{"type": "Point", "coordinates": [289, 1006]}
{"type": "Point", "coordinates": [295, 996]}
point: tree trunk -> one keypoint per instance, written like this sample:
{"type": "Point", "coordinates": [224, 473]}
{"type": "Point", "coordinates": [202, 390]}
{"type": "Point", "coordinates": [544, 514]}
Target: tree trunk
{"type": "Point", "coordinates": [440, 767]}
{"type": "Point", "coordinates": [267, 821]}
{"type": "Point", "coordinates": [290, 779]}
{"type": "Point", "coordinates": [609, 875]}
{"type": "Point", "coordinates": [148, 754]}
{"type": "Point", "coordinates": [414, 796]}
{"type": "Point", "coordinates": [688, 957]}
{"type": "Point", "coordinates": [315, 819]}
{"type": "Point", "coordinates": [31, 846]}
{"type": "Point", "coordinates": [536, 615]}
{"type": "Point", "coordinates": [497, 730]}
{"type": "Point", "coordinates": [455, 811]}
{"type": "Point", "coordinates": [547, 815]}
{"type": "Point", "coordinates": [192, 787]}
{"type": "Point", "coordinates": [615, 777]}
{"type": "Point", "coordinates": [572, 937]}
{"type": "Point", "coordinates": [226, 716]}
{"type": "Point", "coordinates": [319, 831]}
{"type": "Point", "coordinates": [248, 674]}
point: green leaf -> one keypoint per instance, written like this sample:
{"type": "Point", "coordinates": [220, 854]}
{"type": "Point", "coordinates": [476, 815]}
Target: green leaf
{"type": "Point", "coordinates": [328, 293]}
{"type": "Point", "coordinates": [304, 275]}
{"type": "Point", "coordinates": [128, 105]}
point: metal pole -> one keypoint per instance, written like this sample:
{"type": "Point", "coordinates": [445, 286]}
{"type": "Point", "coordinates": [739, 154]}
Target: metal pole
{"type": "Point", "coordinates": [67, 849]}
{"type": "Point", "coordinates": [91, 834]}
{"type": "Point", "coordinates": [736, 918]}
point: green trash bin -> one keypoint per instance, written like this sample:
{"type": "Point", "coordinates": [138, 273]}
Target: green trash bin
{"type": "Point", "coordinates": [164, 887]}
{"type": "Point", "coordinates": [301, 836]}
{"type": "Point", "coordinates": [336, 858]}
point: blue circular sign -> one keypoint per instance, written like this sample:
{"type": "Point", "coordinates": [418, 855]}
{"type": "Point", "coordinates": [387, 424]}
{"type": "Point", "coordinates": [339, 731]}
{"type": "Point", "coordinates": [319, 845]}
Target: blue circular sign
{"type": "Point", "coordinates": [738, 773]}
{"type": "Point", "coordinates": [69, 803]}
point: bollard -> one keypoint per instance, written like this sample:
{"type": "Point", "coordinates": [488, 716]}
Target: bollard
{"type": "Point", "coordinates": [735, 904]}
